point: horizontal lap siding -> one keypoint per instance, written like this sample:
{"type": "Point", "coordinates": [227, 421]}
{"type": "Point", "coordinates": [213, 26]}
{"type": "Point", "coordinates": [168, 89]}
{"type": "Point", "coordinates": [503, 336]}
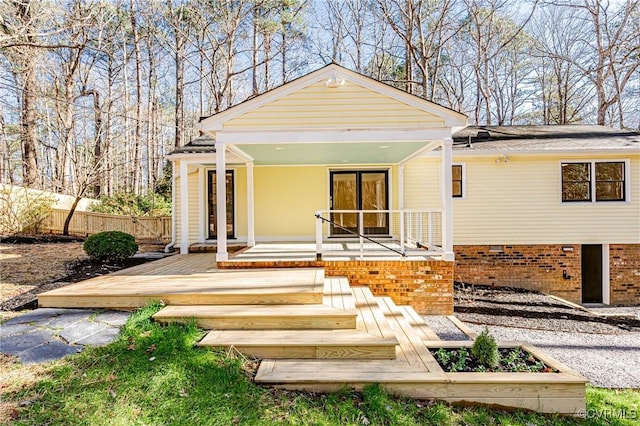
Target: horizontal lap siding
{"type": "Point", "coordinates": [518, 202]}
{"type": "Point", "coordinates": [286, 199]}
{"type": "Point", "coordinates": [318, 106]}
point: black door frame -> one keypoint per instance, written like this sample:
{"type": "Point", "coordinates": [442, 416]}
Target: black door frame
{"type": "Point", "coordinates": [592, 264]}
{"type": "Point", "coordinates": [337, 232]}
{"type": "Point", "coordinates": [230, 199]}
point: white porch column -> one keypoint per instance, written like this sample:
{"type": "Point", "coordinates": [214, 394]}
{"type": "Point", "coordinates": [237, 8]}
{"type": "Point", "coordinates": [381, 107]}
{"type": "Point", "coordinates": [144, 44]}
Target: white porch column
{"type": "Point", "coordinates": [202, 212]}
{"type": "Point", "coordinates": [401, 187]}
{"type": "Point", "coordinates": [184, 208]}
{"type": "Point", "coordinates": [251, 237]}
{"type": "Point", "coordinates": [447, 204]}
{"type": "Point", "coordinates": [221, 202]}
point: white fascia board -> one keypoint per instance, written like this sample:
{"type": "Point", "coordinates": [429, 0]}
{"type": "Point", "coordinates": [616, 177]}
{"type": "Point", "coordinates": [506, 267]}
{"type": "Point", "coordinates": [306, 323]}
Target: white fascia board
{"type": "Point", "coordinates": [334, 136]}
{"type": "Point", "coordinates": [493, 152]}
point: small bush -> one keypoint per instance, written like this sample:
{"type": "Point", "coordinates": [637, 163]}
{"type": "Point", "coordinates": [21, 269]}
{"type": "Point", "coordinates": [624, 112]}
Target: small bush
{"type": "Point", "coordinates": [485, 349]}
{"type": "Point", "coordinates": [110, 246]}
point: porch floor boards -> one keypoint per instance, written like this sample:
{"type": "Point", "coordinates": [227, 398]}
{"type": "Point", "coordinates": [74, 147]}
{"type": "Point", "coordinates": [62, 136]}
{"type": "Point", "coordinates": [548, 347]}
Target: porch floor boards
{"type": "Point", "coordinates": [189, 280]}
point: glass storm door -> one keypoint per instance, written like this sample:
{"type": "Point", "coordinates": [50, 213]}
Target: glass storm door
{"type": "Point", "coordinates": [360, 190]}
{"type": "Point", "coordinates": [211, 181]}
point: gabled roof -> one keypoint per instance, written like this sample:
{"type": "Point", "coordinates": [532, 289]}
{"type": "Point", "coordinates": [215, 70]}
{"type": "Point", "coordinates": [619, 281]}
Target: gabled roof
{"type": "Point", "coordinates": [332, 71]}
{"type": "Point", "coordinates": [545, 138]}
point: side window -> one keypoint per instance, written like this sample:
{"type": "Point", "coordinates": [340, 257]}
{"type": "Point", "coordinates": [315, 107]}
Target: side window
{"type": "Point", "coordinates": [610, 181]}
{"type": "Point", "coordinates": [576, 182]}
{"type": "Point", "coordinates": [456, 180]}
{"type": "Point", "coordinates": [604, 179]}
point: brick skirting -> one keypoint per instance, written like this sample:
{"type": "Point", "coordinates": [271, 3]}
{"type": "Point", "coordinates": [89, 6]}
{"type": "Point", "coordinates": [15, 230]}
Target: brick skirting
{"type": "Point", "coordinates": [427, 286]}
{"type": "Point", "coordinates": [548, 268]}
{"type": "Point", "coordinates": [624, 273]}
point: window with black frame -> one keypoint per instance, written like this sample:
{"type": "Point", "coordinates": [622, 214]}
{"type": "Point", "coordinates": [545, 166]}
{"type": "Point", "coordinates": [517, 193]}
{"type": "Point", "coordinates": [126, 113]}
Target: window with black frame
{"type": "Point", "coordinates": [604, 179]}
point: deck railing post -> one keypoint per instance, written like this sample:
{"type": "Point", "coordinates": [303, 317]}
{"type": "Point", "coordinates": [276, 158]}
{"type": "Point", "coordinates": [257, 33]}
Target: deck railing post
{"type": "Point", "coordinates": [430, 228]}
{"type": "Point", "coordinates": [361, 232]}
{"type": "Point", "coordinates": [402, 231]}
{"type": "Point", "coordinates": [318, 235]}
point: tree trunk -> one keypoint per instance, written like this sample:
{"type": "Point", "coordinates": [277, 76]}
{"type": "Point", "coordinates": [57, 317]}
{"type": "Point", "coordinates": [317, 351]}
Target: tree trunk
{"type": "Point", "coordinates": [137, 173]}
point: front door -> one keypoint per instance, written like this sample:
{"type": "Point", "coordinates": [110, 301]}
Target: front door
{"type": "Point", "coordinates": [592, 273]}
{"type": "Point", "coordinates": [213, 224]}
{"type": "Point", "coordinates": [360, 190]}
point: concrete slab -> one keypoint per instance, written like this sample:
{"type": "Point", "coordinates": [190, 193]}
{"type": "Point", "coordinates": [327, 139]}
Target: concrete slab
{"type": "Point", "coordinates": [114, 318]}
{"type": "Point", "coordinates": [80, 330]}
{"type": "Point", "coordinates": [13, 329]}
{"type": "Point", "coordinates": [101, 338]}
{"type": "Point", "coordinates": [15, 344]}
{"type": "Point", "coordinates": [48, 351]}
{"type": "Point", "coordinates": [46, 334]}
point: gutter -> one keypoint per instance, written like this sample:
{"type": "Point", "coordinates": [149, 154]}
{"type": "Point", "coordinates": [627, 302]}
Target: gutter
{"type": "Point", "coordinates": [168, 248]}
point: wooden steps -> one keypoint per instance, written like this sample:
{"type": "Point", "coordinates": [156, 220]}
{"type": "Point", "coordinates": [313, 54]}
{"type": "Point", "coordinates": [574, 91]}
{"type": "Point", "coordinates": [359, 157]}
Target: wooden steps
{"type": "Point", "coordinates": [315, 344]}
{"type": "Point", "coordinates": [413, 361]}
{"type": "Point", "coordinates": [260, 317]}
{"type": "Point", "coordinates": [295, 286]}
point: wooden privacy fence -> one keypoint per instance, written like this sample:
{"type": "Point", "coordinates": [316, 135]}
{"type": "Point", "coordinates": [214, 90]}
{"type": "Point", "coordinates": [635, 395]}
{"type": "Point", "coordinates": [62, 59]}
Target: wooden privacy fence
{"type": "Point", "coordinates": [143, 228]}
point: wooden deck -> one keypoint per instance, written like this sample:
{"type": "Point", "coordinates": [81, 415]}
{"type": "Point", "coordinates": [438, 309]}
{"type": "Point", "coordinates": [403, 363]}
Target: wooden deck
{"type": "Point", "coordinates": [189, 280]}
{"type": "Point", "coordinates": [315, 333]}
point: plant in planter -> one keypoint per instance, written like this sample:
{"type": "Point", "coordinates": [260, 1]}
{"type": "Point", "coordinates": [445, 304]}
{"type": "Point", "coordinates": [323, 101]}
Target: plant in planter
{"type": "Point", "coordinates": [485, 349]}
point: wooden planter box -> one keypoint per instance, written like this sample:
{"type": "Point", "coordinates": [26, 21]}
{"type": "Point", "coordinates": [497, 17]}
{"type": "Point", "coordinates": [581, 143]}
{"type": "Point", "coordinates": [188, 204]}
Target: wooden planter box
{"type": "Point", "coordinates": [562, 392]}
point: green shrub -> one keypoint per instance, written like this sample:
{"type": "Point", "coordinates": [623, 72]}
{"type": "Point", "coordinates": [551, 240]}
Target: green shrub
{"type": "Point", "coordinates": [485, 349]}
{"type": "Point", "coordinates": [110, 246]}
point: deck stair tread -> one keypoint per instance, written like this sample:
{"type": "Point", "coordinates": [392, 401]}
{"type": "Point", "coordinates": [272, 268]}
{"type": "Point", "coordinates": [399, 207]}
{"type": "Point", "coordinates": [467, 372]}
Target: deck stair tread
{"type": "Point", "coordinates": [301, 286]}
{"type": "Point", "coordinates": [418, 324]}
{"type": "Point", "coordinates": [261, 317]}
{"type": "Point", "coordinates": [413, 363]}
{"type": "Point", "coordinates": [411, 342]}
{"type": "Point", "coordinates": [342, 344]}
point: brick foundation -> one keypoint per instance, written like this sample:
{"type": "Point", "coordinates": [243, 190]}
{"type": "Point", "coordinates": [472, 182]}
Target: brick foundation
{"type": "Point", "coordinates": [427, 286]}
{"type": "Point", "coordinates": [549, 268]}
{"type": "Point", "coordinates": [624, 274]}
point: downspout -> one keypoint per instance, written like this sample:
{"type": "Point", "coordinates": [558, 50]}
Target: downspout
{"type": "Point", "coordinates": [168, 248]}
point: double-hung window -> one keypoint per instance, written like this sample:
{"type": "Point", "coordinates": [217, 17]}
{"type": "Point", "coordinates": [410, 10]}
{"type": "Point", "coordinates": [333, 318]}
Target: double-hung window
{"type": "Point", "coordinates": [590, 181]}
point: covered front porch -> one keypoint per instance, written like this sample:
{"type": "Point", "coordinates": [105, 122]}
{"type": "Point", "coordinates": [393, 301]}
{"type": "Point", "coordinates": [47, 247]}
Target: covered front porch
{"type": "Point", "coordinates": [321, 159]}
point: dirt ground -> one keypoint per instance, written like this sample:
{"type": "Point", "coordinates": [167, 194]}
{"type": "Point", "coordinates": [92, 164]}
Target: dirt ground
{"type": "Point", "coordinates": [29, 268]}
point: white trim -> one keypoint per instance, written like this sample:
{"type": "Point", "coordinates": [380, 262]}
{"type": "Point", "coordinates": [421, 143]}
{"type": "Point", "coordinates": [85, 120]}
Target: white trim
{"type": "Point", "coordinates": [400, 186]}
{"type": "Point", "coordinates": [422, 151]}
{"type": "Point", "coordinates": [542, 152]}
{"type": "Point", "coordinates": [301, 136]}
{"type": "Point", "coordinates": [464, 180]}
{"type": "Point", "coordinates": [251, 234]}
{"type": "Point", "coordinates": [447, 202]}
{"type": "Point", "coordinates": [221, 204]}
{"type": "Point", "coordinates": [606, 275]}
{"type": "Point", "coordinates": [184, 208]}
{"type": "Point", "coordinates": [627, 181]}
{"type": "Point", "coordinates": [202, 223]}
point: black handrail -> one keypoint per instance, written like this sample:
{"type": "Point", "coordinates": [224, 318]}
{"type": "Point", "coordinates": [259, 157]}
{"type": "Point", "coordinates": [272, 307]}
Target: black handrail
{"type": "Point", "coordinates": [359, 235]}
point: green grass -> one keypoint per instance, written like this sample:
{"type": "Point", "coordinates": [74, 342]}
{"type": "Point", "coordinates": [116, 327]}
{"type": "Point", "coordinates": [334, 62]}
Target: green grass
{"type": "Point", "coordinates": [154, 375]}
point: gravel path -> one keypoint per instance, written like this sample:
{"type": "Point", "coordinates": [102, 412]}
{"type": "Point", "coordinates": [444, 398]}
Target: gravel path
{"type": "Point", "coordinates": [445, 329]}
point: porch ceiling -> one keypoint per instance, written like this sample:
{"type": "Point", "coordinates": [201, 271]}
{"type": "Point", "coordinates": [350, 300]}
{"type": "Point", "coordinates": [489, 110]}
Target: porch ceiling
{"type": "Point", "coordinates": [332, 153]}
